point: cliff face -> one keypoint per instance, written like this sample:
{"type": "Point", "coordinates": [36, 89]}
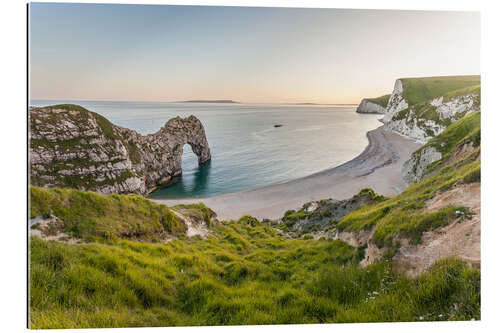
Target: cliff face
{"type": "Point", "coordinates": [415, 168]}
{"type": "Point", "coordinates": [421, 117]}
{"type": "Point", "coordinates": [460, 140]}
{"type": "Point", "coordinates": [367, 106]}
{"type": "Point", "coordinates": [73, 147]}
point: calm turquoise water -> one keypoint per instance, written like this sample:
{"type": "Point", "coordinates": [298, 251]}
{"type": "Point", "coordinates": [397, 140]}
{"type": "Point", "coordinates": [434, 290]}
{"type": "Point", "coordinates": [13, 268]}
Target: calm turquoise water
{"type": "Point", "coordinates": [247, 150]}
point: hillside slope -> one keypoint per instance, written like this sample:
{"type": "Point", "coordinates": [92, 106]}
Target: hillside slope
{"type": "Point", "coordinates": [245, 272]}
{"type": "Point", "coordinates": [457, 141]}
{"type": "Point", "coordinates": [90, 216]}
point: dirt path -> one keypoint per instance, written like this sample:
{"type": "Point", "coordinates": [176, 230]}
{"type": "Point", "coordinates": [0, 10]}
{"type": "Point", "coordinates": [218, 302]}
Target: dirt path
{"type": "Point", "coordinates": [192, 228]}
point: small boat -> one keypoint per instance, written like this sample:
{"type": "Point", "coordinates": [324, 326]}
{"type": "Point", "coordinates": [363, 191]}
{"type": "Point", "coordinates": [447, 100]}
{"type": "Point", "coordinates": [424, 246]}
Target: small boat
{"type": "Point", "coordinates": [278, 125]}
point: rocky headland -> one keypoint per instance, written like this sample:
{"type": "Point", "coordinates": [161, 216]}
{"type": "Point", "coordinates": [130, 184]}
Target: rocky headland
{"type": "Point", "coordinates": [76, 148]}
{"type": "Point", "coordinates": [373, 105]}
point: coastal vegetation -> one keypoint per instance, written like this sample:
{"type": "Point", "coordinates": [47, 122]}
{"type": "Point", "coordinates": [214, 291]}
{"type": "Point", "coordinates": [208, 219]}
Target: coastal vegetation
{"type": "Point", "coordinates": [197, 212]}
{"type": "Point", "coordinates": [245, 272]}
{"type": "Point", "coordinates": [418, 90]}
{"type": "Point", "coordinates": [92, 216]}
{"type": "Point", "coordinates": [466, 131]}
{"type": "Point", "coordinates": [324, 214]}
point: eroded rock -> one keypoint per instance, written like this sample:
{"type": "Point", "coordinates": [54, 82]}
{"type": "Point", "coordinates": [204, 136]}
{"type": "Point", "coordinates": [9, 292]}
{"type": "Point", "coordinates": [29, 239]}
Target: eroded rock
{"type": "Point", "coordinates": [73, 147]}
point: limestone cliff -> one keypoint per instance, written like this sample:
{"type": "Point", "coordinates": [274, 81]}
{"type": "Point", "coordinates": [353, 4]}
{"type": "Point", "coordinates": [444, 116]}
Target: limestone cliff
{"type": "Point", "coordinates": [373, 105]}
{"type": "Point", "coordinates": [73, 147]}
{"type": "Point", "coordinates": [421, 108]}
{"type": "Point", "coordinates": [458, 141]}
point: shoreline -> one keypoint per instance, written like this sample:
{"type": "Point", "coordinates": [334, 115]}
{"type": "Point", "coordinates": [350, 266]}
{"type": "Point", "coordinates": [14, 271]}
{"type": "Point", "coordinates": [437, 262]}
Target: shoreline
{"type": "Point", "coordinates": [377, 167]}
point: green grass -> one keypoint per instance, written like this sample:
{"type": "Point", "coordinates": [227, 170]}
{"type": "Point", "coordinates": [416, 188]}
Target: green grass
{"type": "Point", "coordinates": [197, 212]}
{"type": "Point", "coordinates": [464, 131]}
{"type": "Point", "coordinates": [67, 107]}
{"type": "Point", "coordinates": [418, 90]}
{"type": "Point", "coordinates": [89, 215]}
{"type": "Point", "coordinates": [403, 214]}
{"type": "Point", "coordinates": [381, 100]}
{"type": "Point", "coordinates": [463, 91]}
{"type": "Point", "coordinates": [326, 209]}
{"type": "Point", "coordinates": [244, 273]}
{"type": "Point", "coordinates": [107, 128]}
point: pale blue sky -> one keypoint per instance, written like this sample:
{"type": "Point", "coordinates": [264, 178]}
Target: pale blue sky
{"type": "Point", "coordinates": [171, 53]}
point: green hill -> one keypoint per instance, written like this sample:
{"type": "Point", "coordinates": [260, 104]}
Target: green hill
{"type": "Point", "coordinates": [91, 216]}
{"type": "Point", "coordinates": [418, 90]}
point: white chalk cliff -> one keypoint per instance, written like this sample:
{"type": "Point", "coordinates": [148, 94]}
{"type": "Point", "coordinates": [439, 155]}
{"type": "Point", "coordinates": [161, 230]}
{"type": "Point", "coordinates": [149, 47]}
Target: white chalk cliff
{"type": "Point", "coordinates": [367, 106]}
{"type": "Point", "coordinates": [427, 119]}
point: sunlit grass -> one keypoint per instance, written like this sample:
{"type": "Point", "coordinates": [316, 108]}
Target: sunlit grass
{"type": "Point", "coordinates": [255, 278]}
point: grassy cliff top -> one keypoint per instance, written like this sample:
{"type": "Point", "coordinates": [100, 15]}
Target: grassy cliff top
{"type": "Point", "coordinates": [91, 215]}
{"type": "Point", "coordinates": [105, 125]}
{"type": "Point", "coordinates": [417, 90]}
{"type": "Point", "coordinates": [381, 100]}
{"type": "Point", "coordinates": [67, 107]}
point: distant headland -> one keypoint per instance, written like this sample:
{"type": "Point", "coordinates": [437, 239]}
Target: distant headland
{"type": "Point", "coordinates": [229, 101]}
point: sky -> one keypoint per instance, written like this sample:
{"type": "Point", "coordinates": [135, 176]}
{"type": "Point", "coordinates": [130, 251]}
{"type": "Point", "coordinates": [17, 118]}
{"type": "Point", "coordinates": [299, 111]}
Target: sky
{"type": "Point", "coordinates": [254, 55]}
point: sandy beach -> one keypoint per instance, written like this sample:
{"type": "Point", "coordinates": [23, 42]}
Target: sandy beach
{"type": "Point", "coordinates": [377, 167]}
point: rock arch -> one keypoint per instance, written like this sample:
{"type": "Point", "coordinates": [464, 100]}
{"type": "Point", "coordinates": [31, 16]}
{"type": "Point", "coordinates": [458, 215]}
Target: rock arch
{"type": "Point", "coordinates": [117, 159]}
{"type": "Point", "coordinates": [180, 131]}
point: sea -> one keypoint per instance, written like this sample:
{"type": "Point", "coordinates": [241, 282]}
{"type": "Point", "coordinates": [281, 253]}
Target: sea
{"type": "Point", "coordinates": [248, 151]}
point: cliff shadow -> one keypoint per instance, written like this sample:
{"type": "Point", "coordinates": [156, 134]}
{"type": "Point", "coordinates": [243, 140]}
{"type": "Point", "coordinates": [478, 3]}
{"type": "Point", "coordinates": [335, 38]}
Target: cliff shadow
{"type": "Point", "coordinates": [191, 183]}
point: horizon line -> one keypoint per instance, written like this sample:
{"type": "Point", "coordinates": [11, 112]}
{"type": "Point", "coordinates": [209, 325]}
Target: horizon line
{"type": "Point", "coordinates": [186, 101]}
